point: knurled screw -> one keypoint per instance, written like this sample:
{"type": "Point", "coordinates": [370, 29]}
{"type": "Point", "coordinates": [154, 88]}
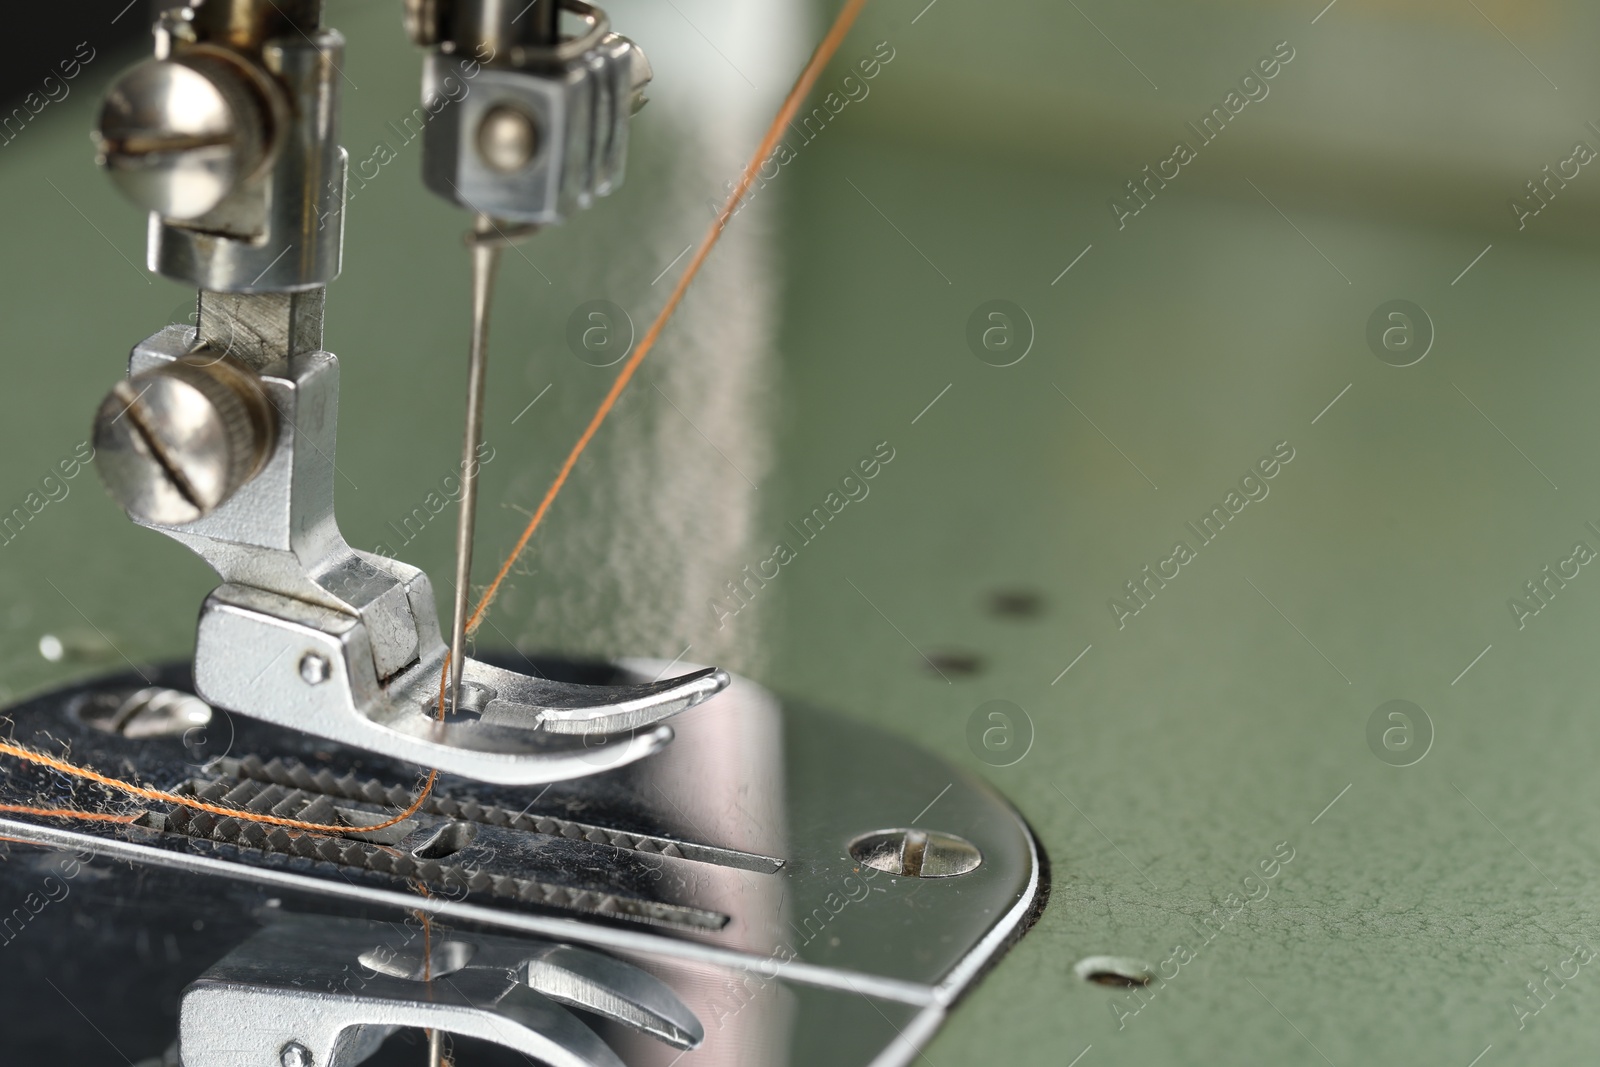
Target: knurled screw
{"type": "Point", "coordinates": [294, 1054]}
{"type": "Point", "coordinates": [173, 444]}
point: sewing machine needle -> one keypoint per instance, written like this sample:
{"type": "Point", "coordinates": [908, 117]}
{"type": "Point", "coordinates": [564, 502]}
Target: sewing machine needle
{"type": "Point", "coordinates": [485, 265]}
{"type": "Point", "coordinates": [435, 1047]}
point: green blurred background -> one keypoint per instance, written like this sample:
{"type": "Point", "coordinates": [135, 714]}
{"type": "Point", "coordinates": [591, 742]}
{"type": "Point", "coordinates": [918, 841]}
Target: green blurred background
{"type": "Point", "coordinates": [1179, 749]}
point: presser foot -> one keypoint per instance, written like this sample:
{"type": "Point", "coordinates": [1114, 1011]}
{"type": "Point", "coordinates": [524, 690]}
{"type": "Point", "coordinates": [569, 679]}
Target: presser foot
{"type": "Point", "coordinates": [311, 669]}
{"type": "Point", "coordinates": [307, 632]}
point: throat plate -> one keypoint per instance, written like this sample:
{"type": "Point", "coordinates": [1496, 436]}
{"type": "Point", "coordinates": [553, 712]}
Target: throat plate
{"type": "Point", "coordinates": [761, 865]}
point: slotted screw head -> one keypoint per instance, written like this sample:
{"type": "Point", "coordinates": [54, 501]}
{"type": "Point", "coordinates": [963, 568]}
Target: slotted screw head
{"type": "Point", "coordinates": [178, 135]}
{"type": "Point", "coordinates": [175, 444]}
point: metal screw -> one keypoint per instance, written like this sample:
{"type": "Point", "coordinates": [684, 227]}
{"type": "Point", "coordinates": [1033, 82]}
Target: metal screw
{"type": "Point", "coordinates": [912, 853]}
{"type": "Point", "coordinates": [507, 138]}
{"type": "Point", "coordinates": [294, 1054]}
{"type": "Point", "coordinates": [153, 712]}
{"type": "Point", "coordinates": [174, 444]}
{"type": "Point", "coordinates": [177, 136]}
{"type": "Point", "coordinates": [315, 668]}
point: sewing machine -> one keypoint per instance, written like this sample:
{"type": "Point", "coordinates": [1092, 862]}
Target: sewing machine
{"type": "Point", "coordinates": [605, 863]}
{"type": "Point", "coordinates": [982, 349]}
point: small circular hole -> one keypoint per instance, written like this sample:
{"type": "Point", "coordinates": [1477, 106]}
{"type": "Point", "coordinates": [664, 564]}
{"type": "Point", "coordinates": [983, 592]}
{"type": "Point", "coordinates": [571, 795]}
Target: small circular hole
{"type": "Point", "coordinates": [475, 699]}
{"type": "Point", "coordinates": [1016, 603]}
{"type": "Point", "coordinates": [1120, 972]}
{"type": "Point", "coordinates": [955, 663]}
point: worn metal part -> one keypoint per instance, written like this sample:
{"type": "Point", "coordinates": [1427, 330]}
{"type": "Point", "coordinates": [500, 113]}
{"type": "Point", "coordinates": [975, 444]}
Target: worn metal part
{"type": "Point", "coordinates": [509, 859]}
{"type": "Point", "coordinates": [544, 130]}
{"type": "Point", "coordinates": [814, 957]}
{"type": "Point", "coordinates": [422, 21]}
{"type": "Point", "coordinates": [334, 990]}
{"type": "Point", "coordinates": [260, 329]}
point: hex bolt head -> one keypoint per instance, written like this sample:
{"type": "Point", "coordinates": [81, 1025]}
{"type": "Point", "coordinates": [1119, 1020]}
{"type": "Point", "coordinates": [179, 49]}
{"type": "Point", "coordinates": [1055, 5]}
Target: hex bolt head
{"type": "Point", "coordinates": [294, 1054]}
{"type": "Point", "coordinates": [174, 444]}
{"type": "Point", "coordinates": [315, 668]}
{"type": "Point", "coordinates": [508, 138]}
{"type": "Point", "coordinates": [178, 135]}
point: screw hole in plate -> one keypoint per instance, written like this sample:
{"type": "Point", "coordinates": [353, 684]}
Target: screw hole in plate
{"type": "Point", "coordinates": [954, 663]}
{"type": "Point", "coordinates": [1118, 971]}
{"type": "Point", "coordinates": [1016, 603]}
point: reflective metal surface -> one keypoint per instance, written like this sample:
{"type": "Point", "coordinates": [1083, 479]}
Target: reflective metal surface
{"type": "Point", "coordinates": [745, 881]}
{"type": "Point", "coordinates": [330, 992]}
{"type": "Point", "coordinates": [178, 136]}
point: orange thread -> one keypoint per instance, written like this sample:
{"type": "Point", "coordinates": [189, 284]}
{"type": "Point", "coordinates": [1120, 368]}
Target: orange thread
{"type": "Point", "coordinates": [791, 105]}
{"type": "Point", "coordinates": [444, 679]}
{"type": "Point", "coordinates": [62, 813]}
{"type": "Point", "coordinates": [163, 796]}
{"type": "Point", "coordinates": [427, 944]}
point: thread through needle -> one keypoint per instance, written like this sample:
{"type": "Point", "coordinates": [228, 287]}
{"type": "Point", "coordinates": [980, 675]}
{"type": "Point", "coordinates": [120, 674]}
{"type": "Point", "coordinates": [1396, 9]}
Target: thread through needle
{"type": "Point", "coordinates": [769, 144]}
{"type": "Point", "coordinates": [791, 106]}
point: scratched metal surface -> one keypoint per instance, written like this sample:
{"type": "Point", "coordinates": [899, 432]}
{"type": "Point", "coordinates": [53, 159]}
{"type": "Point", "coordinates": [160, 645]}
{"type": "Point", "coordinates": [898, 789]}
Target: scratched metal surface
{"type": "Point", "coordinates": [1231, 713]}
